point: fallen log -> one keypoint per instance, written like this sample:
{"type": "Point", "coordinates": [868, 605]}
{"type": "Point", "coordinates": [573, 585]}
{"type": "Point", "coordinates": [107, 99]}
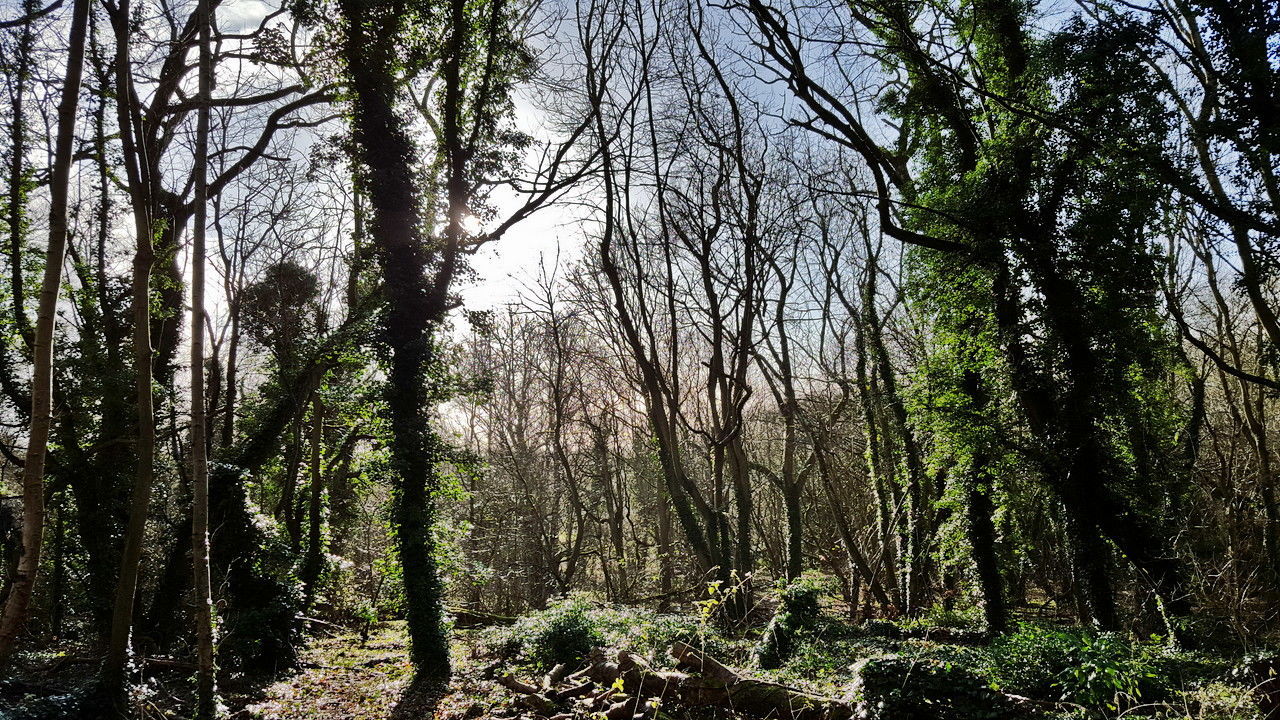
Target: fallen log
{"type": "Point", "coordinates": [718, 684]}
{"type": "Point", "coordinates": [715, 685]}
{"type": "Point", "coordinates": [575, 691]}
{"type": "Point", "coordinates": [466, 618]}
{"type": "Point", "coordinates": [514, 684]}
{"type": "Point", "coordinates": [556, 675]}
{"type": "Point", "coordinates": [623, 686]}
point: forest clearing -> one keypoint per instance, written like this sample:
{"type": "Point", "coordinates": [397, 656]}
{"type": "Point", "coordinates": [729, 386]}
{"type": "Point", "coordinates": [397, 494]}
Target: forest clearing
{"type": "Point", "coordinates": [640, 359]}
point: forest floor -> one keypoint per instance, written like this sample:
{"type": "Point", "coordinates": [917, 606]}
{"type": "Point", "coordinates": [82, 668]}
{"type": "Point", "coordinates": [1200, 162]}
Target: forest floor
{"type": "Point", "coordinates": [341, 678]}
{"type": "Point", "coordinates": [878, 670]}
{"type": "Point", "coordinates": [346, 677]}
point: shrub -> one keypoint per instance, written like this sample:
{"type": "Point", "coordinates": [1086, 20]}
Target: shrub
{"type": "Point", "coordinates": [1222, 701]}
{"type": "Point", "coordinates": [563, 633]}
{"type": "Point", "coordinates": [261, 617]}
{"type": "Point", "coordinates": [797, 615]}
{"type": "Point", "coordinates": [1105, 671]}
{"type": "Point", "coordinates": [1031, 660]}
{"type": "Point", "coordinates": [903, 688]}
{"type": "Point", "coordinates": [878, 628]}
{"type": "Point", "coordinates": [1102, 671]}
{"type": "Point", "coordinates": [941, 617]}
{"type": "Point", "coordinates": [569, 628]}
{"type": "Point", "coordinates": [651, 634]}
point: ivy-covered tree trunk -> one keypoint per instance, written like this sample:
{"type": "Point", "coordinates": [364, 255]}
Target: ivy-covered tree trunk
{"type": "Point", "coordinates": [395, 227]}
{"type": "Point", "coordinates": [980, 509]}
{"type": "Point", "coordinates": [311, 565]}
{"type": "Point", "coordinates": [20, 175]}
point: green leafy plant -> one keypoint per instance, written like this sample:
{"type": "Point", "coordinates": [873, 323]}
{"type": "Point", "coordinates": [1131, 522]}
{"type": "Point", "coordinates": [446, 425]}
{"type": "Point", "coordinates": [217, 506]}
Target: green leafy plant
{"type": "Point", "coordinates": [1100, 671]}
{"type": "Point", "coordinates": [1031, 660]}
{"type": "Point", "coordinates": [1222, 701]}
{"type": "Point", "coordinates": [896, 687]}
{"type": "Point", "coordinates": [570, 627]}
{"type": "Point", "coordinates": [563, 633]}
{"type": "Point", "coordinates": [798, 613]}
{"type": "Point", "coordinates": [1104, 671]}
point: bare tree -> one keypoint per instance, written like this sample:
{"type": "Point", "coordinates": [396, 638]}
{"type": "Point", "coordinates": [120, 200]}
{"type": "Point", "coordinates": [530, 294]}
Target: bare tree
{"type": "Point", "coordinates": [19, 598]}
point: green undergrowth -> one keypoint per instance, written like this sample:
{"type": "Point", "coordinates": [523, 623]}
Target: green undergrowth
{"type": "Point", "coordinates": [799, 614]}
{"type": "Point", "coordinates": [937, 667]}
{"type": "Point", "coordinates": [570, 627]}
{"type": "Point", "coordinates": [1061, 672]}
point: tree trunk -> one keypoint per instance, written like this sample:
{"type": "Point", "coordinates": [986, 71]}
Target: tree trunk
{"type": "Point", "coordinates": [918, 534]}
{"type": "Point", "coordinates": [58, 600]}
{"type": "Point", "coordinates": [287, 510]}
{"type": "Point", "coordinates": [980, 510]}
{"type": "Point", "coordinates": [17, 605]}
{"type": "Point", "coordinates": [230, 378]}
{"type": "Point", "coordinates": [206, 702]}
{"type": "Point", "coordinates": [982, 540]}
{"type": "Point", "coordinates": [795, 529]}
{"type": "Point", "coordinates": [144, 451]}
{"type": "Point", "coordinates": [887, 494]}
{"type": "Point", "coordinates": [387, 152]}
{"type": "Point", "coordinates": [311, 565]}
{"type": "Point", "coordinates": [664, 548]}
{"type": "Point", "coordinates": [19, 180]}
{"type": "Point", "coordinates": [856, 559]}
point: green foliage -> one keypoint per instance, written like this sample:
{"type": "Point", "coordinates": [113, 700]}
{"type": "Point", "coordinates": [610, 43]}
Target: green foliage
{"type": "Point", "coordinates": [876, 627]}
{"type": "Point", "coordinates": [1104, 671]}
{"type": "Point", "coordinates": [563, 633]}
{"type": "Point", "coordinates": [1031, 660]}
{"type": "Point", "coordinates": [906, 688]}
{"type": "Point", "coordinates": [281, 313]}
{"type": "Point", "coordinates": [1053, 304]}
{"type": "Point", "coordinates": [253, 562]}
{"type": "Point", "coordinates": [1101, 671]}
{"type": "Point", "coordinates": [571, 626]}
{"type": "Point", "coordinates": [1221, 701]}
{"type": "Point", "coordinates": [939, 616]}
{"type": "Point", "coordinates": [798, 613]}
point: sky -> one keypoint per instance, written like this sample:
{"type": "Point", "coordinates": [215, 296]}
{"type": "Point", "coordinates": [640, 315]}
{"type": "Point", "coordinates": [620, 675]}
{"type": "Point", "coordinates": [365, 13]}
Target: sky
{"type": "Point", "coordinates": [552, 235]}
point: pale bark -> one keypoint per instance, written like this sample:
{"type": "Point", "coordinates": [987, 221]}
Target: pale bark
{"type": "Point", "coordinates": [315, 495]}
{"type": "Point", "coordinates": [18, 603]}
{"type": "Point", "coordinates": [206, 703]}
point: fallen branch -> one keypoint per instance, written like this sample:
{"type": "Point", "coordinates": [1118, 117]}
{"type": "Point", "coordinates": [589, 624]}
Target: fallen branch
{"type": "Point", "coordinates": [751, 696]}
{"type": "Point", "coordinates": [623, 686]}
{"type": "Point", "coordinates": [466, 619]}
{"type": "Point", "coordinates": [168, 664]}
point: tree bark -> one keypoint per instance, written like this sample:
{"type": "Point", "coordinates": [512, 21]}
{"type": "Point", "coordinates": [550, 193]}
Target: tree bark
{"type": "Point", "coordinates": [17, 605]}
{"type": "Point", "coordinates": [387, 151]}
{"type": "Point", "coordinates": [311, 565]}
{"type": "Point", "coordinates": [19, 182]}
{"type": "Point", "coordinates": [206, 690]}
{"type": "Point", "coordinates": [145, 431]}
